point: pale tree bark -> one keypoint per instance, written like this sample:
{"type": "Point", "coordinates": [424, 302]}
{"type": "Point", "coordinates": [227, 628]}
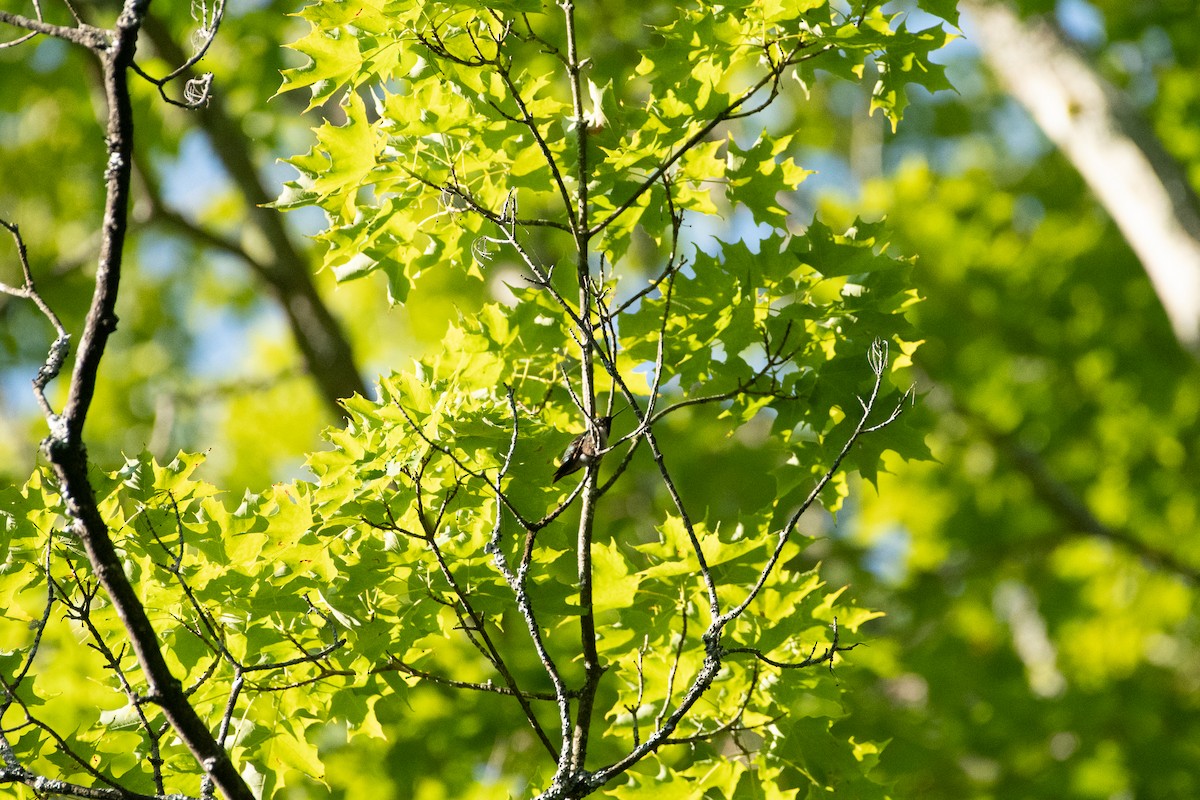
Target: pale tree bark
{"type": "Point", "coordinates": [1141, 186]}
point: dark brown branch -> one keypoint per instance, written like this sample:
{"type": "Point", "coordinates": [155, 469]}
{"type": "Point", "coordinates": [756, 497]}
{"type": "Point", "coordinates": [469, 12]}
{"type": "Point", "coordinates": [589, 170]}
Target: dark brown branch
{"type": "Point", "coordinates": [731, 725]}
{"type": "Point", "coordinates": [64, 446]}
{"type": "Point", "coordinates": [94, 39]}
{"type": "Point", "coordinates": [396, 665]}
{"type": "Point", "coordinates": [477, 630]}
{"type": "Point", "coordinates": [826, 656]}
{"type": "Point", "coordinates": [328, 356]}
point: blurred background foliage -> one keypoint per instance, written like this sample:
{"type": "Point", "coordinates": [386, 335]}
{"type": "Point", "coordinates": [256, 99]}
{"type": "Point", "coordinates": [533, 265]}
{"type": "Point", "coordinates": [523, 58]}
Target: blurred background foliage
{"type": "Point", "coordinates": [1038, 576]}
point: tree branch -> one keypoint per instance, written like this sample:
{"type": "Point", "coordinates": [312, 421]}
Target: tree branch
{"type": "Point", "coordinates": [57, 354]}
{"type": "Point", "coordinates": [730, 112]}
{"type": "Point", "coordinates": [1133, 176]}
{"type": "Point", "coordinates": [327, 354]}
{"type": "Point", "coordinates": [585, 782]}
{"type": "Point", "coordinates": [1066, 503]}
{"type": "Point", "coordinates": [64, 446]}
{"type": "Point", "coordinates": [94, 39]}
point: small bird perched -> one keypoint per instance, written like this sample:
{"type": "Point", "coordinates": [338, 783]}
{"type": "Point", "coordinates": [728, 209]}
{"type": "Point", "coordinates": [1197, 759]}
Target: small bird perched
{"type": "Point", "coordinates": [582, 451]}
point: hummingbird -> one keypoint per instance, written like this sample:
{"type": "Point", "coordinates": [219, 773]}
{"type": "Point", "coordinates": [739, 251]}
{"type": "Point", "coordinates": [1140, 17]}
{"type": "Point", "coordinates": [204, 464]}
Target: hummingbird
{"type": "Point", "coordinates": [583, 449]}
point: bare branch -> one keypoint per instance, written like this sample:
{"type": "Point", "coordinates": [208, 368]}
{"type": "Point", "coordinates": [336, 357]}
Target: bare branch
{"type": "Point", "coordinates": [397, 665]}
{"type": "Point", "coordinates": [12, 772]}
{"type": "Point", "coordinates": [61, 346]}
{"type": "Point", "coordinates": [671, 673]}
{"type": "Point", "coordinates": [284, 267]}
{"type": "Point", "coordinates": [458, 190]}
{"type": "Point", "coordinates": [474, 473]}
{"type": "Point", "coordinates": [641, 692]}
{"type": "Point", "coordinates": [551, 162]}
{"type": "Point", "coordinates": [60, 744]}
{"type": "Point", "coordinates": [877, 358]}
{"type": "Point", "coordinates": [64, 446]}
{"type": "Point", "coordinates": [826, 656]}
{"type": "Point", "coordinates": [196, 90]}
{"type": "Point", "coordinates": [474, 624]}
{"type": "Point", "coordinates": [731, 725]}
{"type": "Point", "coordinates": [94, 39]}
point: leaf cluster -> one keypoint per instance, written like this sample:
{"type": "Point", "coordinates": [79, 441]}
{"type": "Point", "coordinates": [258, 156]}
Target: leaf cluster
{"type": "Point", "coordinates": [654, 614]}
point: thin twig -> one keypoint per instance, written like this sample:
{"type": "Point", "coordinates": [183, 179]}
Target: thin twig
{"type": "Point", "coordinates": [95, 39]}
{"type": "Point", "coordinates": [57, 354]}
{"type": "Point", "coordinates": [196, 90]}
